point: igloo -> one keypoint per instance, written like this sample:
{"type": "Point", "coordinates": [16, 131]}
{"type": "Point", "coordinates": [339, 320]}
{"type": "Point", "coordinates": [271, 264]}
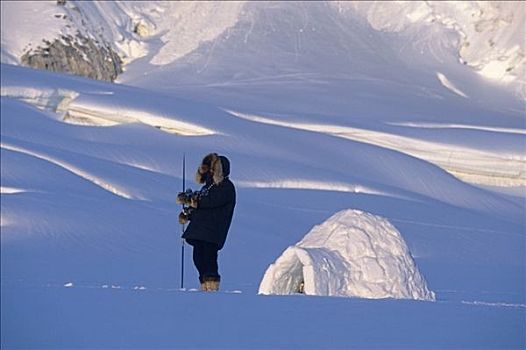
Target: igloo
{"type": "Point", "coordinates": [352, 254]}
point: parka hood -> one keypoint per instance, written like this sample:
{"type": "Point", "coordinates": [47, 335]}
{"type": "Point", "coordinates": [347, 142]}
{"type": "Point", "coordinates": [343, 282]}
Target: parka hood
{"type": "Point", "coordinates": [220, 165]}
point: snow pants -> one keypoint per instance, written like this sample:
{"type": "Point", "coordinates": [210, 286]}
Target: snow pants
{"type": "Point", "coordinates": [205, 260]}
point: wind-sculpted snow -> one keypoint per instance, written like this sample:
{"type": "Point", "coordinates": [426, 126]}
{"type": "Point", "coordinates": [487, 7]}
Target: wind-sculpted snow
{"type": "Point", "coordinates": [481, 166]}
{"type": "Point", "coordinates": [445, 81]}
{"type": "Point", "coordinates": [72, 168]}
{"type": "Point", "coordinates": [353, 254]}
{"type": "Point", "coordinates": [100, 110]}
{"type": "Point", "coordinates": [250, 134]}
{"type": "Point", "coordinates": [311, 185]}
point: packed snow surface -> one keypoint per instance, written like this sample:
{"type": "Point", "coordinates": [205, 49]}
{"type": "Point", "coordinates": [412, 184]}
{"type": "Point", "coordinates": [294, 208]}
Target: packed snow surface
{"type": "Point", "coordinates": [353, 254]}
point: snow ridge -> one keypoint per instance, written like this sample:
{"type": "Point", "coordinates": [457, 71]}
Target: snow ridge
{"type": "Point", "coordinates": [72, 168]}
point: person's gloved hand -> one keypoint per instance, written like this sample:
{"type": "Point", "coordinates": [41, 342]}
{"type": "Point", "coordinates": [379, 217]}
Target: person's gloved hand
{"type": "Point", "coordinates": [183, 219]}
{"type": "Point", "coordinates": [183, 198]}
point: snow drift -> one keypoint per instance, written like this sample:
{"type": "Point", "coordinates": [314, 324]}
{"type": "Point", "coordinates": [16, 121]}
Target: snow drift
{"type": "Point", "coordinates": [353, 254]}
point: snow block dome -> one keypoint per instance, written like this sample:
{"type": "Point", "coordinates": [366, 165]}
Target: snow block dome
{"type": "Point", "coordinates": [352, 254]}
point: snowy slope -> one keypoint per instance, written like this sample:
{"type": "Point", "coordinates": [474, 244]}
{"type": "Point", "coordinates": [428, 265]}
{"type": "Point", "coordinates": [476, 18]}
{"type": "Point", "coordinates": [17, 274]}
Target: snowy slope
{"type": "Point", "coordinates": [92, 207]}
{"type": "Point", "coordinates": [490, 34]}
{"type": "Point", "coordinates": [487, 36]}
{"type": "Point", "coordinates": [327, 71]}
{"type": "Point", "coordinates": [329, 60]}
{"type": "Point", "coordinates": [333, 117]}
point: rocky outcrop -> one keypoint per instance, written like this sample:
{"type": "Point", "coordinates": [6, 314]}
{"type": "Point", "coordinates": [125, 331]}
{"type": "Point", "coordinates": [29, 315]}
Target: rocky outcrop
{"type": "Point", "coordinates": [76, 55]}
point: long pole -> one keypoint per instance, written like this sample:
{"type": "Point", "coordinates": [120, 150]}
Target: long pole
{"type": "Point", "coordinates": [182, 239]}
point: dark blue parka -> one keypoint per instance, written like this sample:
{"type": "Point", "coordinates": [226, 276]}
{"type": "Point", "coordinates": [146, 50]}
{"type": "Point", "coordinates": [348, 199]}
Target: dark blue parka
{"type": "Point", "coordinates": [211, 219]}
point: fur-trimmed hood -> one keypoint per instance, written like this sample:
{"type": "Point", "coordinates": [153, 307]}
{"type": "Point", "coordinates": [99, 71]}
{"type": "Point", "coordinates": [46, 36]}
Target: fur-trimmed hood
{"type": "Point", "coordinates": [218, 165]}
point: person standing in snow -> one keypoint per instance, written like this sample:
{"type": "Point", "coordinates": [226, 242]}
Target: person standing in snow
{"type": "Point", "coordinates": [210, 215]}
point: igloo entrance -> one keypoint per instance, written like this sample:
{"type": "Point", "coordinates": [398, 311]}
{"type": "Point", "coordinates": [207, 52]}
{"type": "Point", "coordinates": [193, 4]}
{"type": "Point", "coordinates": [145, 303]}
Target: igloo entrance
{"type": "Point", "coordinates": [351, 254]}
{"type": "Point", "coordinates": [310, 271]}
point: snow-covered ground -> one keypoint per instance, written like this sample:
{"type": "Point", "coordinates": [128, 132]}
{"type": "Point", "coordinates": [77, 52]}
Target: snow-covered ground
{"type": "Point", "coordinates": [321, 107]}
